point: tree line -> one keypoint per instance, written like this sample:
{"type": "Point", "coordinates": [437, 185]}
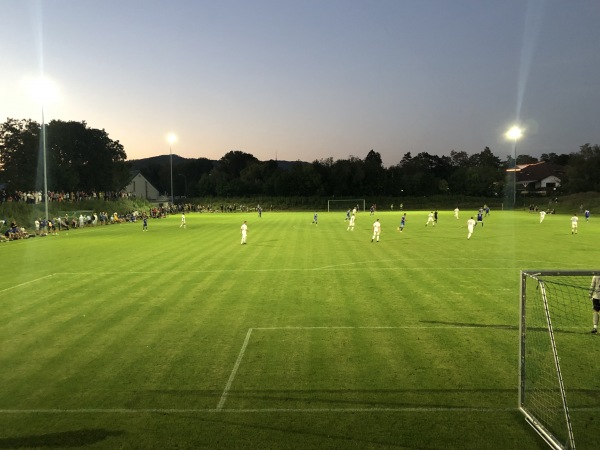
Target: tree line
{"type": "Point", "coordinates": [80, 158]}
{"type": "Point", "coordinates": [479, 175]}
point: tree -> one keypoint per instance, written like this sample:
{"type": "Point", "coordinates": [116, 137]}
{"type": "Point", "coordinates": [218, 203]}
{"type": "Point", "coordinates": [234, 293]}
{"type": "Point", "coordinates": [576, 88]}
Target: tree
{"type": "Point", "coordinates": [374, 173]}
{"type": "Point", "coordinates": [526, 159]}
{"type": "Point", "coordinates": [485, 159]}
{"type": "Point", "coordinates": [77, 157]}
{"type": "Point", "coordinates": [561, 160]}
{"type": "Point", "coordinates": [583, 169]}
{"type": "Point", "coordinates": [459, 159]}
{"type": "Point", "coordinates": [20, 151]}
{"type": "Point", "coordinates": [233, 162]}
{"type": "Point", "coordinates": [85, 159]}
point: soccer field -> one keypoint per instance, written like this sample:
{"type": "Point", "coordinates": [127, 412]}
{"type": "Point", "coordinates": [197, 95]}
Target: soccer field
{"type": "Point", "coordinates": [309, 336]}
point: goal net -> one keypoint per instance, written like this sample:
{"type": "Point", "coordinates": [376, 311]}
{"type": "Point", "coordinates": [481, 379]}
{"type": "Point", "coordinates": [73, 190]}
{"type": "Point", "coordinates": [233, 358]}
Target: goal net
{"type": "Point", "coordinates": [345, 205]}
{"type": "Point", "coordinates": [559, 380]}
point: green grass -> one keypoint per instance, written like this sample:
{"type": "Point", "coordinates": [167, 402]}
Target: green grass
{"type": "Point", "coordinates": [307, 337]}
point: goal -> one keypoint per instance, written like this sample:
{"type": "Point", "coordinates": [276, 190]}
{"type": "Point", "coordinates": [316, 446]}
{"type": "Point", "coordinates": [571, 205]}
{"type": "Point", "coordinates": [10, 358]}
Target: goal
{"type": "Point", "coordinates": [557, 352]}
{"type": "Point", "coordinates": [344, 205]}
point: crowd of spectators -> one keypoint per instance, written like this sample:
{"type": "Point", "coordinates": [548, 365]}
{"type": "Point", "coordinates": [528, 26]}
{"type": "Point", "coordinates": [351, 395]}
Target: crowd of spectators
{"type": "Point", "coordinates": [13, 232]}
{"type": "Point", "coordinates": [35, 197]}
{"type": "Point", "coordinates": [53, 226]}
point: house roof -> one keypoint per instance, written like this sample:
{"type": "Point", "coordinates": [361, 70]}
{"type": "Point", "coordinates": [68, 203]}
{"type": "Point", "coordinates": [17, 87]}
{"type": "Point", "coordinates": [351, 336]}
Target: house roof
{"type": "Point", "coordinates": [538, 171]}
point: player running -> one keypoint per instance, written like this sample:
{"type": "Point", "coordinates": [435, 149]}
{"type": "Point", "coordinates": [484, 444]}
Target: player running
{"type": "Point", "coordinates": [402, 222]}
{"type": "Point", "coordinates": [351, 223]}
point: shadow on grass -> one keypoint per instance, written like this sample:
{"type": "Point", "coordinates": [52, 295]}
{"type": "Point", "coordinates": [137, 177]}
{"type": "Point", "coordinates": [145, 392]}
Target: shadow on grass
{"type": "Point", "coordinates": [496, 326]}
{"type": "Point", "coordinates": [64, 439]}
{"type": "Point", "coordinates": [381, 398]}
{"type": "Point", "coordinates": [471, 325]}
{"type": "Point", "coordinates": [328, 438]}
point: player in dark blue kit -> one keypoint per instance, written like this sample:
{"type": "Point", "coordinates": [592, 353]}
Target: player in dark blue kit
{"type": "Point", "coordinates": [402, 222]}
{"type": "Point", "coordinates": [480, 217]}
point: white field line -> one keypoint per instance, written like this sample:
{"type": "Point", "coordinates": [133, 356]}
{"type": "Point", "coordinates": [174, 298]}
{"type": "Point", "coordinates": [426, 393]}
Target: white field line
{"type": "Point", "coordinates": [234, 371]}
{"type": "Point", "coordinates": [256, 410]}
{"type": "Point", "coordinates": [236, 366]}
{"type": "Point", "coordinates": [26, 283]}
{"type": "Point", "coordinates": [412, 409]}
{"type": "Point", "coordinates": [408, 327]}
{"type": "Point", "coordinates": [280, 269]}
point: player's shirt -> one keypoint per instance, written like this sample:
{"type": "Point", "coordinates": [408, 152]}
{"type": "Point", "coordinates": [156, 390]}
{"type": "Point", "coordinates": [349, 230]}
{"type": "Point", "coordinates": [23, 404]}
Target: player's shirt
{"type": "Point", "coordinates": [352, 221]}
{"type": "Point", "coordinates": [574, 221]}
{"type": "Point", "coordinates": [244, 228]}
{"type": "Point", "coordinates": [479, 217]}
{"type": "Point", "coordinates": [376, 227]}
{"type": "Point", "coordinates": [402, 221]}
{"type": "Point", "coordinates": [595, 287]}
{"type": "Point", "coordinates": [315, 217]}
{"type": "Point", "coordinates": [470, 224]}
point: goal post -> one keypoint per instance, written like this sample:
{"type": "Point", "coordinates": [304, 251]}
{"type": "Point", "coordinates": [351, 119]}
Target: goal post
{"type": "Point", "coordinates": [554, 330]}
{"type": "Point", "coordinates": [345, 204]}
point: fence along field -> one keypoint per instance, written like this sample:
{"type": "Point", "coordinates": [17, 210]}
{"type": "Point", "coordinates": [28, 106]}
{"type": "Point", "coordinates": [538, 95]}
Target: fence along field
{"type": "Point", "coordinates": [309, 336]}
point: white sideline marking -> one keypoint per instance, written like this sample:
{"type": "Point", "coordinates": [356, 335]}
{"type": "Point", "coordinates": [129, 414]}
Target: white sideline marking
{"type": "Point", "coordinates": [254, 410]}
{"type": "Point", "coordinates": [283, 269]}
{"type": "Point", "coordinates": [408, 327]}
{"type": "Point", "coordinates": [234, 371]}
{"type": "Point", "coordinates": [26, 283]}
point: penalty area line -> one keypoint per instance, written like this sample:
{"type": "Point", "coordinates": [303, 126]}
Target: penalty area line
{"type": "Point", "coordinates": [234, 371]}
{"type": "Point", "coordinates": [25, 283]}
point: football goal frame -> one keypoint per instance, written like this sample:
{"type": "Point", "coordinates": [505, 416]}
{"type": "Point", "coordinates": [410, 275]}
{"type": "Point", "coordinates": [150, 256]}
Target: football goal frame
{"type": "Point", "coordinates": [347, 202]}
{"type": "Point", "coordinates": [553, 304]}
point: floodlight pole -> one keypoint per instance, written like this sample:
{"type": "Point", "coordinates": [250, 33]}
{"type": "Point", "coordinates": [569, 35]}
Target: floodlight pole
{"type": "Point", "coordinates": [171, 158]}
{"type": "Point", "coordinates": [45, 167]}
{"type": "Point", "coordinates": [515, 175]}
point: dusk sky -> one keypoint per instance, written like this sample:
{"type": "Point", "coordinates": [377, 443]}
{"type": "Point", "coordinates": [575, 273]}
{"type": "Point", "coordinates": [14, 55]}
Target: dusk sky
{"type": "Point", "coordinates": [310, 79]}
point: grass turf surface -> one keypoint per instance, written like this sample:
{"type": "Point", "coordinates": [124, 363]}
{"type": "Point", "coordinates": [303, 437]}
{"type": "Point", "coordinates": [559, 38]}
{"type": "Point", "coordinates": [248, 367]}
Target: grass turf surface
{"type": "Point", "coordinates": [310, 336]}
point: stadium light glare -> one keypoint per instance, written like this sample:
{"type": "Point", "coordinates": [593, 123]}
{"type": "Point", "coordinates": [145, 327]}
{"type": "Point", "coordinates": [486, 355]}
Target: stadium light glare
{"type": "Point", "coordinates": [514, 133]}
{"type": "Point", "coordinates": [43, 91]}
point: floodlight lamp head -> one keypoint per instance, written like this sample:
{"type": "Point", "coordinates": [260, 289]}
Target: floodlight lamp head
{"type": "Point", "coordinates": [514, 133]}
{"type": "Point", "coordinates": [171, 138]}
{"type": "Point", "coordinates": [41, 89]}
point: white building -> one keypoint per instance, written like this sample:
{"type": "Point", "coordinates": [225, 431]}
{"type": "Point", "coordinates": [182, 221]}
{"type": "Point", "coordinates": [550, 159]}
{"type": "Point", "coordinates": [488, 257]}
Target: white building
{"type": "Point", "coordinates": [140, 187]}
